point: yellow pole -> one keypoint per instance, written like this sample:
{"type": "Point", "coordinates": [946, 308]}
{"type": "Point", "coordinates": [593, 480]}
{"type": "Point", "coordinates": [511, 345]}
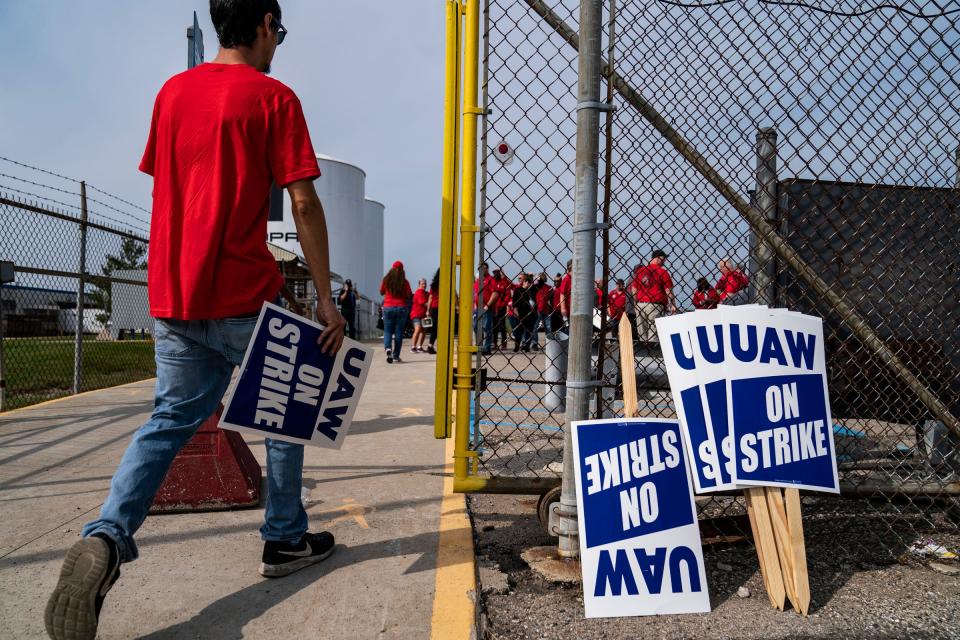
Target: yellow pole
{"type": "Point", "coordinates": [468, 230]}
{"type": "Point", "coordinates": [448, 240]}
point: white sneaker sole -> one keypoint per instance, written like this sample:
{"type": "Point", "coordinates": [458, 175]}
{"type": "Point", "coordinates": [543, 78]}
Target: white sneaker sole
{"type": "Point", "coordinates": [285, 569]}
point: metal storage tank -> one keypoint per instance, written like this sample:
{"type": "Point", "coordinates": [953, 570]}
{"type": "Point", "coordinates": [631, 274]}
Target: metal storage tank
{"type": "Point", "coordinates": [341, 190]}
{"type": "Point", "coordinates": [372, 248]}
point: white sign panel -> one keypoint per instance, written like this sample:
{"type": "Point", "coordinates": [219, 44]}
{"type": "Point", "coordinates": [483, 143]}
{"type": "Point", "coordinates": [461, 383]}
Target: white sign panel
{"type": "Point", "coordinates": [289, 389]}
{"type": "Point", "coordinates": [640, 547]}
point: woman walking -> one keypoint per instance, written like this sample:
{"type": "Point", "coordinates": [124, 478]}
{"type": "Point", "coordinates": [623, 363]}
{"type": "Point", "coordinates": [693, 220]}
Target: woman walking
{"type": "Point", "coordinates": [396, 293]}
{"type": "Point", "coordinates": [418, 312]}
{"type": "Point", "coordinates": [433, 306]}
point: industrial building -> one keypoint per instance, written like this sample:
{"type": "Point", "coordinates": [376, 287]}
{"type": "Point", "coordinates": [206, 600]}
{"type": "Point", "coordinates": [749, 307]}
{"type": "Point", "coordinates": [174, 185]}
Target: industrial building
{"type": "Point", "coordinates": [354, 229]}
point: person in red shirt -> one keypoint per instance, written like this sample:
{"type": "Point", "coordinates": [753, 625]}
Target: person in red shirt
{"type": "Point", "coordinates": [504, 291]}
{"type": "Point", "coordinates": [556, 318]}
{"type": "Point", "coordinates": [705, 296]}
{"type": "Point", "coordinates": [220, 134]}
{"type": "Point", "coordinates": [433, 308]}
{"type": "Point", "coordinates": [543, 298]}
{"type": "Point", "coordinates": [485, 307]}
{"type": "Point", "coordinates": [566, 292]}
{"type": "Point", "coordinates": [395, 289]}
{"type": "Point", "coordinates": [617, 302]}
{"type": "Point", "coordinates": [733, 283]}
{"type": "Point", "coordinates": [652, 290]}
{"type": "Point", "coordinates": [598, 297]}
{"type": "Point", "coordinates": [418, 311]}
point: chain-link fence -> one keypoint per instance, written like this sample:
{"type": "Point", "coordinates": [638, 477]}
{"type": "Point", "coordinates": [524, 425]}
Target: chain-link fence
{"type": "Point", "coordinates": [838, 124]}
{"type": "Point", "coordinates": [76, 316]}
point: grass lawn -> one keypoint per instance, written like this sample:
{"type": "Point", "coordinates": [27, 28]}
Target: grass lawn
{"type": "Point", "coordinates": [38, 369]}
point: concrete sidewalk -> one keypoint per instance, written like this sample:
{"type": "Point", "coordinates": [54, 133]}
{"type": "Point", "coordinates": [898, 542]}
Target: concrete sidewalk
{"type": "Point", "coordinates": [197, 573]}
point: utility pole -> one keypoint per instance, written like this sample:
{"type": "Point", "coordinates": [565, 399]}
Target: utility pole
{"type": "Point", "coordinates": [580, 380]}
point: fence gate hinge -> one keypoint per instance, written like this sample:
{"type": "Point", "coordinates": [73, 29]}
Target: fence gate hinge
{"type": "Point", "coordinates": [473, 378]}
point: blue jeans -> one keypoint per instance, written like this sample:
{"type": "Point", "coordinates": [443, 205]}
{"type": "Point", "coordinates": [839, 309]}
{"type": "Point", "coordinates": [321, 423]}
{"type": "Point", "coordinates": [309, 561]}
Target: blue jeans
{"type": "Point", "coordinates": [394, 323]}
{"type": "Point", "coordinates": [195, 359]}
{"type": "Point", "coordinates": [487, 318]}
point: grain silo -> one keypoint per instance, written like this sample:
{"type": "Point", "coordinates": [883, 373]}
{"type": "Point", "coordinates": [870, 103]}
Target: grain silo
{"type": "Point", "coordinates": [372, 247]}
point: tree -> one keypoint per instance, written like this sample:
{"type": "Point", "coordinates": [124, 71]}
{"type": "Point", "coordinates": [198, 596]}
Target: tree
{"type": "Point", "coordinates": [132, 256]}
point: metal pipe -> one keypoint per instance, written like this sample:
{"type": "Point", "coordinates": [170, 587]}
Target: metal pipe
{"type": "Point", "coordinates": [765, 199]}
{"type": "Point", "coordinates": [766, 232]}
{"type": "Point", "coordinates": [607, 197]}
{"type": "Point", "coordinates": [468, 229]}
{"type": "Point", "coordinates": [448, 209]}
{"type": "Point", "coordinates": [81, 272]}
{"type": "Point", "coordinates": [3, 331]}
{"type": "Point", "coordinates": [579, 365]}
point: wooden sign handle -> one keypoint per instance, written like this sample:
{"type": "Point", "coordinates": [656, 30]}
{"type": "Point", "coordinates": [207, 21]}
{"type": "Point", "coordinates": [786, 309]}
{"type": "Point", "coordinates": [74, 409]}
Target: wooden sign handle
{"type": "Point", "coordinates": [628, 368]}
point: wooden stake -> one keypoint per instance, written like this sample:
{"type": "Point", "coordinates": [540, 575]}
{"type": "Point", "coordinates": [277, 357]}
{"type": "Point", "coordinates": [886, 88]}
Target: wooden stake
{"type": "Point", "coordinates": [799, 550]}
{"type": "Point", "coordinates": [778, 517]}
{"type": "Point", "coordinates": [628, 368]}
{"type": "Point", "coordinates": [752, 516]}
{"type": "Point", "coordinates": [767, 547]}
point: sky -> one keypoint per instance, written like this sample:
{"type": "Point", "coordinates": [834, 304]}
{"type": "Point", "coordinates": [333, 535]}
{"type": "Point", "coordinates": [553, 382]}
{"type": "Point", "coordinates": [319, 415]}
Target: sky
{"type": "Point", "coordinates": [80, 80]}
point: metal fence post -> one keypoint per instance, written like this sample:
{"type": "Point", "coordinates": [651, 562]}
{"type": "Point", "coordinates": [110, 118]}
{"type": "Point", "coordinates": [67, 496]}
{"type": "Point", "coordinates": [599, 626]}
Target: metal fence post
{"type": "Point", "coordinates": [956, 164]}
{"type": "Point", "coordinates": [3, 332]}
{"type": "Point", "coordinates": [81, 272]}
{"type": "Point", "coordinates": [765, 199]}
{"type": "Point", "coordinates": [579, 366]}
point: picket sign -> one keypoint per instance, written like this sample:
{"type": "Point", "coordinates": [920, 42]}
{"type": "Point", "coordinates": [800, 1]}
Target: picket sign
{"type": "Point", "coordinates": [288, 389]}
{"type": "Point", "coordinates": [628, 368]}
{"type": "Point", "coordinates": [749, 387]}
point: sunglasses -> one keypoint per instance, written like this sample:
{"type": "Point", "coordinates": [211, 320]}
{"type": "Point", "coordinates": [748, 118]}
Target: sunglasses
{"type": "Point", "coordinates": [279, 28]}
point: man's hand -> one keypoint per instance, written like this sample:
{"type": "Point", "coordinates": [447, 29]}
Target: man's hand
{"type": "Point", "coordinates": [332, 336]}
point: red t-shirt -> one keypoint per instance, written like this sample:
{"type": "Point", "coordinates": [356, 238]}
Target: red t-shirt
{"type": "Point", "coordinates": [618, 304]}
{"type": "Point", "coordinates": [566, 289]}
{"type": "Point", "coordinates": [434, 298]}
{"type": "Point", "coordinates": [556, 298]}
{"type": "Point", "coordinates": [220, 135]}
{"type": "Point", "coordinates": [504, 288]}
{"type": "Point", "coordinates": [706, 299]}
{"type": "Point", "coordinates": [390, 300]}
{"type": "Point", "coordinates": [419, 308]}
{"type": "Point", "coordinates": [489, 286]}
{"type": "Point", "coordinates": [598, 297]}
{"type": "Point", "coordinates": [731, 283]}
{"type": "Point", "coordinates": [651, 283]}
{"type": "Point", "coordinates": [545, 299]}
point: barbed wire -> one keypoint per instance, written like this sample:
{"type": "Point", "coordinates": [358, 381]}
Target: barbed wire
{"type": "Point", "coordinates": [828, 11]}
{"type": "Point", "coordinates": [90, 212]}
{"type": "Point", "coordinates": [89, 186]}
{"type": "Point", "coordinates": [98, 190]}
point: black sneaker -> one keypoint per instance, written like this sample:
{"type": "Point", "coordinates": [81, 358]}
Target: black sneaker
{"type": "Point", "coordinates": [282, 559]}
{"type": "Point", "coordinates": [389, 357]}
{"type": "Point", "coordinates": [431, 350]}
{"type": "Point", "coordinates": [90, 568]}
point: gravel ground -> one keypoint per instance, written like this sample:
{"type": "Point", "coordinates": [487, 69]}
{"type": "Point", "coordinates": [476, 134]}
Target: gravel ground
{"type": "Point", "coordinates": [857, 590]}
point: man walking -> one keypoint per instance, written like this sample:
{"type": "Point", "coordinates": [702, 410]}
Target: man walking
{"type": "Point", "coordinates": [221, 133]}
{"type": "Point", "coordinates": [652, 289]}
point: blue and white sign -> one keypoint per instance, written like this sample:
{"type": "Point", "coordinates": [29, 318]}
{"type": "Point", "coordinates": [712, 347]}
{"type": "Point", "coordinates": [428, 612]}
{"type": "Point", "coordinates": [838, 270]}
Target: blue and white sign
{"type": "Point", "coordinates": [749, 384]}
{"type": "Point", "coordinates": [289, 389]}
{"type": "Point", "coordinates": [778, 402]}
{"type": "Point", "coordinates": [700, 401]}
{"type": "Point", "coordinates": [640, 547]}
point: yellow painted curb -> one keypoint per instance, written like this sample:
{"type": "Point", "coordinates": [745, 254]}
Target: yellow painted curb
{"type": "Point", "coordinates": [455, 593]}
{"type": "Point", "coordinates": [11, 412]}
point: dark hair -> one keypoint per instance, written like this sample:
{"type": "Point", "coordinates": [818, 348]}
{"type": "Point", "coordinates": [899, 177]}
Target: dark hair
{"type": "Point", "coordinates": [236, 20]}
{"type": "Point", "coordinates": [435, 283]}
{"type": "Point", "coordinates": [394, 281]}
{"type": "Point", "coordinates": [659, 254]}
{"type": "Point", "coordinates": [703, 284]}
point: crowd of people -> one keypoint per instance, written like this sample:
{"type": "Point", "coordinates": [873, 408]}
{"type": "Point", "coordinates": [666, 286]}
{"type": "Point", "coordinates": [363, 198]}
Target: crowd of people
{"type": "Point", "coordinates": [521, 308]}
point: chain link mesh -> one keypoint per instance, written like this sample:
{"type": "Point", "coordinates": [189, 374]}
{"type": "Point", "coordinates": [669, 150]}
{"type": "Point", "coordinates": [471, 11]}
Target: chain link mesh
{"type": "Point", "coordinates": [842, 130]}
{"type": "Point", "coordinates": [40, 307]}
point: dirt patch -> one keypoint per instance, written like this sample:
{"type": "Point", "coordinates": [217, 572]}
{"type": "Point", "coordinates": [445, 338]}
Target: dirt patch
{"type": "Point", "coordinates": [855, 594]}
